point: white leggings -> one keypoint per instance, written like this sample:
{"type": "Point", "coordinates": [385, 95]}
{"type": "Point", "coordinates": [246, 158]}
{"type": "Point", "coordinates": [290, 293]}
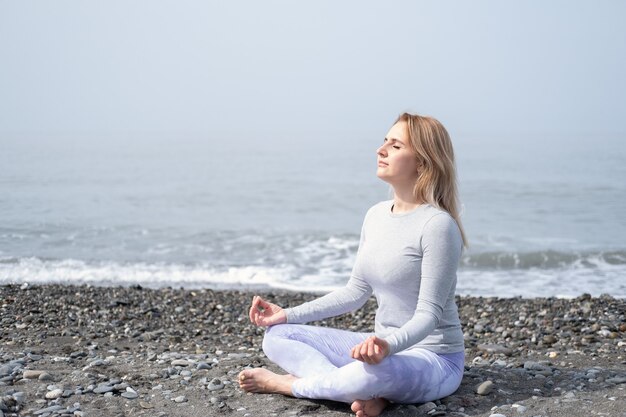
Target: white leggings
{"type": "Point", "coordinates": [320, 358]}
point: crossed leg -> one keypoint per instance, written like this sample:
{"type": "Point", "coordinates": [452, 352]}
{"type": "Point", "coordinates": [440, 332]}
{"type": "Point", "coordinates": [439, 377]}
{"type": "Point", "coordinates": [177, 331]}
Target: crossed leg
{"type": "Point", "coordinates": [320, 366]}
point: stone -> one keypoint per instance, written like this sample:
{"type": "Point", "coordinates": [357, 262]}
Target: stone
{"type": "Point", "coordinates": [203, 365]}
{"type": "Point", "coordinates": [19, 397]}
{"type": "Point", "coordinates": [495, 349]}
{"type": "Point", "coordinates": [497, 415]}
{"type": "Point", "coordinates": [54, 394]}
{"type": "Point", "coordinates": [45, 376]}
{"type": "Point", "coordinates": [616, 380]}
{"type": "Point", "coordinates": [32, 374]}
{"type": "Point", "coordinates": [426, 407]}
{"type": "Point", "coordinates": [485, 388]}
{"type": "Point", "coordinates": [130, 395]}
{"type": "Point", "coordinates": [215, 385]}
{"type": "Point", "coordinates": [180, 362]}
{"type": "Point", "coordinates": [180, 399]}
{"type": "Point", "coordinates": [103, 389]}
{"type": "Point", "coordinates": [51, 409]}
{"type": "Point", "coordinates": [549, 339]}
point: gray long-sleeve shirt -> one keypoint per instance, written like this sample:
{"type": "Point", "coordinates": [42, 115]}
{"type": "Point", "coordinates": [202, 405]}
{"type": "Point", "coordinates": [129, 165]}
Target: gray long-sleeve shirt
{"type": "Point", "coordinates": [409, 262]}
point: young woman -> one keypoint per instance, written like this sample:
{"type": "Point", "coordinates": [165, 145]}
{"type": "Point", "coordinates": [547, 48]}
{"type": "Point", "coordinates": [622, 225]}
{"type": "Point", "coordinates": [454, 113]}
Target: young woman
{"type": "Point", "coordinates": [408, 255]}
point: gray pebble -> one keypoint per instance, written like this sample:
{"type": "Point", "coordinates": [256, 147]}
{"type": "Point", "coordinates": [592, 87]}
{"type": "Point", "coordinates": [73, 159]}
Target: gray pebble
{"type": "Point", "coordinates": [215, 385]}
{"type": "Point", "coordinates": [180, 362]}
{"type": "Point", "coordinates": [426, 407]}
{"type": "Point", "coordinates": [180, 399]}
{"type": "Point", "coordinates": [48, 409]}
{"type": "Point", "coordinates": [203, 365]}
{"type": "Point", "coordinates": [616, 380]}
{"type": "Point", "coordinates": [19, 397]}
{"type": "Point", "coordinates": [102, 389]}
{"type": "Point", "coordinates": [130, 395]}
{"type": "Point", "coordinates": [45, 376]}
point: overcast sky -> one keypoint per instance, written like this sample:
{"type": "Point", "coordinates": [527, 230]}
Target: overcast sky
{"type": "Point", "coordinates": [311, 66]}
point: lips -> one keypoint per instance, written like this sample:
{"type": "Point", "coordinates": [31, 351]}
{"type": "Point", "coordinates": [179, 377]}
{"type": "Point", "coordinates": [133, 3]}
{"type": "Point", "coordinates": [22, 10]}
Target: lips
{"type": "Point", "coordinates": [382, 164]}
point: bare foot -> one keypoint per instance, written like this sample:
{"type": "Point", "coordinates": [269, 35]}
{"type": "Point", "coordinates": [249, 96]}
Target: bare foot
{"type": "Point", "coordinates": [260, 380]}
{"type": "Point", "coordinates": [369, 408]}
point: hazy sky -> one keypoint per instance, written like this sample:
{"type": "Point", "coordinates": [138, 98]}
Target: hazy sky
{"type": "Point", "coordinates": [311, 66]}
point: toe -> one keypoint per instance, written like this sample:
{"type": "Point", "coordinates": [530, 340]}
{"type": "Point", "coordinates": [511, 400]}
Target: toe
{"type": "Point", "coordinates": [357, 406]}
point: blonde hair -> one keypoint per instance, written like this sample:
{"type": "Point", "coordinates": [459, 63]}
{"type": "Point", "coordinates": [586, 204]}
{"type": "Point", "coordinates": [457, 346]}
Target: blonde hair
{"type": "Point", "coordinates": [437, 183]}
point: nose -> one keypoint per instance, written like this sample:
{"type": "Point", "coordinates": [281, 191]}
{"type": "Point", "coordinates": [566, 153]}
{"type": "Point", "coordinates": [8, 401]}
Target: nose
{"type": "Point", "coordinates": [382, 152]}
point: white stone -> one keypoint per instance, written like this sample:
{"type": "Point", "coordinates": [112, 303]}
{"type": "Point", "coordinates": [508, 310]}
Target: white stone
{"type": "Point", "coordinates": [54, 394]}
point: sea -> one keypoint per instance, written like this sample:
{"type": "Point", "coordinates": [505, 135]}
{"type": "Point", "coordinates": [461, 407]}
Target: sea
{"type": "Point", "coordinates": [545, 214]}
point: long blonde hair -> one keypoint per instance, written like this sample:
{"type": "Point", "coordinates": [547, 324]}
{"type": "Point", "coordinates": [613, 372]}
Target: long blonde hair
{"type": "Point", "coordinates": [437, 183]}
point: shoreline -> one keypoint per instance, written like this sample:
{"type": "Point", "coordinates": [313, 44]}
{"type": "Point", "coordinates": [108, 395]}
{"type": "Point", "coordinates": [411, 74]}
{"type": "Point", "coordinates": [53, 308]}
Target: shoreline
{"type": "Point", "coordinates": [112, 351]}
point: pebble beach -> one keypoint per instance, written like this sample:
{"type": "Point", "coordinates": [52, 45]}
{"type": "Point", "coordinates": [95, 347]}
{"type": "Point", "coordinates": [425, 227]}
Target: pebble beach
{"type": "Point", "coordinates": [132, 351]}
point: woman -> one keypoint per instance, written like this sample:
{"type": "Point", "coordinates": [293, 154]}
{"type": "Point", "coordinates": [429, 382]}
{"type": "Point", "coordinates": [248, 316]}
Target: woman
{"type": "Point", "coordinates": [408, 255]}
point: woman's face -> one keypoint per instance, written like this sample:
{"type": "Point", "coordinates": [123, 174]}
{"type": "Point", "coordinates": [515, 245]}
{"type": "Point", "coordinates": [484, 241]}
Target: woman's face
{"type": "Point", "coordinates": [397, 163]}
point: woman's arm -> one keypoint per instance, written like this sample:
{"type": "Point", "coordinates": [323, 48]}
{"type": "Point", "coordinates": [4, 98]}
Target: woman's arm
{"type": "Point", "coordinates": [342, 300]}
{"type": "Point", "coordinates": [442, 246]}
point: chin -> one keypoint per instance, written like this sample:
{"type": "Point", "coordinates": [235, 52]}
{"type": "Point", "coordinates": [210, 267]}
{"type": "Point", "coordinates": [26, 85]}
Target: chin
{"type": "Point", "coordinates": [382, 176]}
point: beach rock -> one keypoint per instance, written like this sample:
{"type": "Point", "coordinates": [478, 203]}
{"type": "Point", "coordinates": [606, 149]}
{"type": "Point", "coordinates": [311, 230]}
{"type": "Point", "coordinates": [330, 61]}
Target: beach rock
{"type": "Point", "coordinates": [32, 374]}
{"type": "Point", "coordinates": [616, 380]}
{"type": "Point", "coordinates": [180, 362]}
{"type": "Point", "coordinates": [130, 393]}
{"type": "Point", "coordinates": [54, 394]}
{"type": "Point", "coordinates": [45, 376]}
{"type": "Point", "coordinates": [103, 389]}
{"type": "Point", "coordinates": [180, 399]}
{"type": "Point", "coordinates": [215, 385]}
{"type": "Point", "coordinates": [50, 409]}
{"type": "Point", "coordinates": [495, 349]}
{"type": "Point", "coordinates": [485, 388]}
{"type": "Point", "coordinates": [203, 365]}
{"type": "Point", "coordinates": [426, 407]}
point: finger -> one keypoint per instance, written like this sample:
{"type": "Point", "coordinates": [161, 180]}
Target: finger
{"type": "Point", "coordinates": [262, 303]}
{"type": "Point", "coordinates": [370, 348]}
{"type": "Point", "coordinates": [353, 352]}
{"type": "Point", "coordinates": [253, 308]}
{"type": "Point", "coordinates": [363, 352]}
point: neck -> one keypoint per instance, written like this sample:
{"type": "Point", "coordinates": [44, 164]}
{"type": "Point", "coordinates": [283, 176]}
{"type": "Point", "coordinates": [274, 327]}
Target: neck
{"type": "Point", "coordinates": [404, 200]}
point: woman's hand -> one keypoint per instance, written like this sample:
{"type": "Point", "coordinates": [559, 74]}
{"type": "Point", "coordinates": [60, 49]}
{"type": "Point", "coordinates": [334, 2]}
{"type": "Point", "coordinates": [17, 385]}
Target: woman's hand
{"type": "Point", "coordinates": [263, 313]}
{"type": "Point", "coordinates": [372, 350]}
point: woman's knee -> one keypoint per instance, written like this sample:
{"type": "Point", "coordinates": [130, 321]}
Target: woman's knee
{"type": "Point", "coordinates": [273, 336]}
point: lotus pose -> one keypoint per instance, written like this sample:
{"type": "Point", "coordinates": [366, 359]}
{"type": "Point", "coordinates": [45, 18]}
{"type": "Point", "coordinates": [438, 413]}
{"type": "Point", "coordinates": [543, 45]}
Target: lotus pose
{"type": "Point", "coordinates": [407, 258]}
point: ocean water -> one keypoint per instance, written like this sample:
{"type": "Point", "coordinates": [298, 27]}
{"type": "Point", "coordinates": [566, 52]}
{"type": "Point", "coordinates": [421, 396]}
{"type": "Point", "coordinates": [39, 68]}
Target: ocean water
{"type": "Point", "coordinates": [544, 213]}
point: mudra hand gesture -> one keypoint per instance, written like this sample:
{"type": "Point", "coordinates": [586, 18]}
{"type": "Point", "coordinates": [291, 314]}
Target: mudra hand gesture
{"type": "Point", "coordinates": [263, 313]}
{"type": "Point", "coordinates": [372, 350]}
